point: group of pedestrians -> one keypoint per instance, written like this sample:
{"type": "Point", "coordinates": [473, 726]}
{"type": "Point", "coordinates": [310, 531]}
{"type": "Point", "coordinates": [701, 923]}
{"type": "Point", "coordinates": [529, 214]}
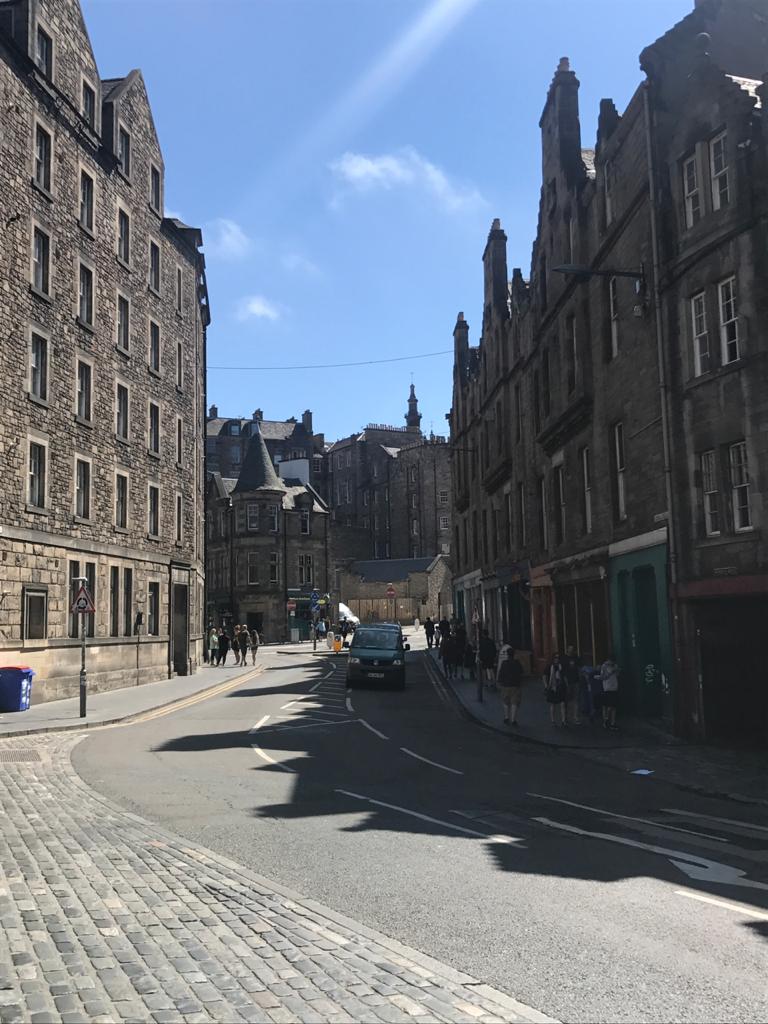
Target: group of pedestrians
{"type": "Point", "coordinates": [573, 690]}
{"type": "Point", "coordinates": [242, 640]}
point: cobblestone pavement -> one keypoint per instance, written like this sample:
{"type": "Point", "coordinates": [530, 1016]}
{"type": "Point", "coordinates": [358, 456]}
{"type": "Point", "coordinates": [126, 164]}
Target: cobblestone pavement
{"type": "Point", "coordinates": [108, 918]}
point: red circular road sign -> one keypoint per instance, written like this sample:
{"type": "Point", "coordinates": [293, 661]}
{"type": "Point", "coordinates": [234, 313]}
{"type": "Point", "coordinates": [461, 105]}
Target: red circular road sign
{"type": "Point", "coordinates": [390, 590]}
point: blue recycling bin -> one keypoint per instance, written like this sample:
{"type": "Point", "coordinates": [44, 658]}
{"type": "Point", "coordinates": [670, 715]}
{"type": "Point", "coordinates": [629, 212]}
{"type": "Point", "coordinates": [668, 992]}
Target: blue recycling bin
{"type": "Point", "coordinates": [15, 688]}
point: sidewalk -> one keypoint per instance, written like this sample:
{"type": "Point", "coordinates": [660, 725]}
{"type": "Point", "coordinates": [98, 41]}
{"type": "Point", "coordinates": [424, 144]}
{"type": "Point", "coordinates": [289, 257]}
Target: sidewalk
{"type": "Point", "coordinates": [116, 705]}
{"type": "Point", "coordinates": [740, 775]}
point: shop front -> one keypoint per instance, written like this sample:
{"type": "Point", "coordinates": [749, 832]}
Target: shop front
{"type": "Point", "coordinates": [641, 629]}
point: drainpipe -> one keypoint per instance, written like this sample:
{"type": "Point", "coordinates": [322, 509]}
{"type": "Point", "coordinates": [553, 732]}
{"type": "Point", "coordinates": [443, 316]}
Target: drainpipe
{"type": "Point", "coordinates": [664, 391]}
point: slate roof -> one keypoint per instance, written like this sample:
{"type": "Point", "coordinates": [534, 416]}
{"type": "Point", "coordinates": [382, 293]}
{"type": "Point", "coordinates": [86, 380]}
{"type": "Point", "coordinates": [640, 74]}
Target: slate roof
{"type": "Point", "coordinates": [257, 472]}
{"type": "Point", "coordinates": [388, 570]}
{"type": "Point", "coordinates": [273, 430]}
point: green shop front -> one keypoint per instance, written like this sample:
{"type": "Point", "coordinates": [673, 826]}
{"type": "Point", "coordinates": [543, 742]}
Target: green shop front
{"type": "Point", "coordinates": [640, 625]}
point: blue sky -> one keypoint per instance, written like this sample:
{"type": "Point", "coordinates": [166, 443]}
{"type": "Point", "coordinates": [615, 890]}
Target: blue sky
{"type": "Point", "coordinates": [345, 159]}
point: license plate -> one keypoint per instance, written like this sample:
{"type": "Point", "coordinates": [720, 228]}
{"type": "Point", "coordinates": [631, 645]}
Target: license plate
{"type": "Point", "coordinates": [375, 675]}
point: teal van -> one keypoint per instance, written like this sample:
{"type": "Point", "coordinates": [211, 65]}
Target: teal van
{"type": "Point", "coordinates": [377, 654]}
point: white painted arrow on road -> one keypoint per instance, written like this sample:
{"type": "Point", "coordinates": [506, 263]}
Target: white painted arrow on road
{"type": "Point", "coordinates": [700, 868]}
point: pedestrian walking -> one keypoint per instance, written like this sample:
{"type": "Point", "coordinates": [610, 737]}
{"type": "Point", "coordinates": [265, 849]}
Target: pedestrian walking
{"type": "Point", "coordinates": [609, 674]}
{"type": "Point", "coordinates": [255, 641]}
{"type": "Point", "coordinates": [444, 628]}
{"type": "Point", "coordinates": [470, 661]}
{"type": "Point", "coordinates": [245, 643]}
{"type": "Point", "coordinates": [509, 679]}
{"type": "Point", "coordinates": [213, 646]}
{"type": "Point", "coordinates": [224, 645]}
{"type": "Point", "coordinates": [429, 631]}
{"type": "Point", "coordinates": [557, 690]}
{"type": "Point", "coordinates": [571, 663]}
{"type": "Point", "coordinates": [236, 645]}
{"type": "Point", "coordinates": [487, 656]}
{"type": "Point", "coordinates": [447, 655]}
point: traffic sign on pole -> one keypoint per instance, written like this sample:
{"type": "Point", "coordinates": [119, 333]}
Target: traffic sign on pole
{"type": "Point", "coordinates": [83, 602]}
{"type": "Point", "coordinates": [390, 590]}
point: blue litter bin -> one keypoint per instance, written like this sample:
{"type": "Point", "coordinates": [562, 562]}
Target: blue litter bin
{"type": "Point", "coordinates": [15, 688]}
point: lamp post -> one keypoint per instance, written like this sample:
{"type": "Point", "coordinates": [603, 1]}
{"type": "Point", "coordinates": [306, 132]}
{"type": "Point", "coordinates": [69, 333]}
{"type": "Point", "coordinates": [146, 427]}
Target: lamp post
{"type": "Point", "coordinates": [82, 581]}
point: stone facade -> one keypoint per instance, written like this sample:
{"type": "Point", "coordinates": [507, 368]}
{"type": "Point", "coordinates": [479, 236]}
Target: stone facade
{"type": "Point", "coordinates": [422, 587]}
{"type": "Point", "coordinates": [81, 316]}
{"type": "Point", "coordinates": [610, 428]}
{"type": "Point", "coordinates": [268, 545]}
{"type": "Point", "coordinates": [288, 441]}
{"type": "Point", "coordinates": [390, 490]}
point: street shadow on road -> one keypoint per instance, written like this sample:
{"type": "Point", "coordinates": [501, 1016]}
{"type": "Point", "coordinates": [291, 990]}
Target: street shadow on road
{"type": "Point", "coordinates": [337, 768]}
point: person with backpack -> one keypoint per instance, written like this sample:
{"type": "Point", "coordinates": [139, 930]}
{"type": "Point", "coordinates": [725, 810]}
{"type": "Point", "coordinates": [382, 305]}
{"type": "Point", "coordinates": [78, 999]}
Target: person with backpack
{"type": "Point", "coordinates": [557, 690]}
{"type": "Point", "coordinates": [509, 680]}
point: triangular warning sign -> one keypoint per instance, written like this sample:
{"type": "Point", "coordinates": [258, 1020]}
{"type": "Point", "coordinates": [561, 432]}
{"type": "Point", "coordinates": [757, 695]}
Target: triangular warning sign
{"type": "Point", "coordinates": [83, 602]}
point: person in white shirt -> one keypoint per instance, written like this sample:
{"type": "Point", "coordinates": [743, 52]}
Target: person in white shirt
{"type": "Point", "coordinates": [609, 673]}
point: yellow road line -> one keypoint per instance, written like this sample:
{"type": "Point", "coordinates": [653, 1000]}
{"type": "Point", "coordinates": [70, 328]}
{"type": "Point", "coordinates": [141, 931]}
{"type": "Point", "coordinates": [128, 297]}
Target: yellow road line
{"type": "Point", "coordinates": [196, 698]}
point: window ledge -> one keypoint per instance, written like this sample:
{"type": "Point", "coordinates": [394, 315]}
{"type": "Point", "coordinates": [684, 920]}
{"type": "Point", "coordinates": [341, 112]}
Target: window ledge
{"type": "Point", "coordinates": [154, 209]}
{"type": "Point", "coordinates": [718, 371]}
{"type": "Point", "coordinates": [85, 326]}
{"type": "Point", "coordinates": [126, 177]}
{"type": "Point", "coordinates": [179, 465]}
{"type": "Point", "coordinates": [37, 510]}
{"type": "Point", "coordinates": [153, 536]}
{"type": "Point", "coordinates": [154, 291]}
{"type": "Point", "coordinates": [123, 263]}
{"type": "Point", "coordinates": [83, 421]}
{"type": "Point", "coordinates": [38, 400]}
{"type": "Point", "coordinates": [121, 529]}
{"type": "Point", "coordinates": [44, 192]}
{"type": "Point", "coordinates": [82, 520]}
{"type": "Point", "coordinates": [179, 314]}
{"type": "Point", "coordinates": [124, 352]}
{"type": "Point", "coordinates": [45, 296]}
{"type": "Point", "coordinates": [180, 389]}
{"type": "Point", "coordinates": [178, 544]}
{"type": "Point", "coordinates": [153, 371]}
{"type": "Point", "coordinates": [153, 455]}
{"type": "Point", "coordinates": [86, 230]}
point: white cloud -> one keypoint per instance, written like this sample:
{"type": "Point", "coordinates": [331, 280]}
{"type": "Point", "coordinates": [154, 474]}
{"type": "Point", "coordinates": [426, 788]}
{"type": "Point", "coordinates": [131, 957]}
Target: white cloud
{"type": "Point", "coordinates": [226, 240]}
{"type": "Point", "coordinates": [256, 307]}
{"type": "Point", "coordinates": [298, 264]}
{"type": "Point", "coordinates": [406, 168]}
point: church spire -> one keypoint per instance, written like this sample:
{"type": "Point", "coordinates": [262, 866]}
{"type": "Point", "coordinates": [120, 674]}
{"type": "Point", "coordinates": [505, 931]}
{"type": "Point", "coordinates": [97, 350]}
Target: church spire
{"type": "Point", "coordinates": [413, 416]}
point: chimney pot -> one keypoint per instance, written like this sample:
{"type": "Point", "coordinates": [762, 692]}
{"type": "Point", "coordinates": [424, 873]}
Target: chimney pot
{"type": "Point", "coordinates": [213, 412]}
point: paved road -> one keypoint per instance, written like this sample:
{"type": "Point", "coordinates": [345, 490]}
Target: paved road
{"type": "Point", "coordinates": [587, 893]}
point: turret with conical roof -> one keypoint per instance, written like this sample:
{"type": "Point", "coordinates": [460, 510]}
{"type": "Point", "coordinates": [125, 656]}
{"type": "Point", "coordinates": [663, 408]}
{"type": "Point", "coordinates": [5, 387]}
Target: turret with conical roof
{"type": "Point", "coordinates": [257, 472]}
{"type": "Point", "coordinates": [413, 416]}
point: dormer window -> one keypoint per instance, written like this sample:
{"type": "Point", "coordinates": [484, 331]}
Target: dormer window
{"type": "Point", "coordinates": [234, 430]}
{"type": "Point", "coordinates": [44, 52]}
{"type": "Point", "coordinates": [89, 105]}
{"type": "Point", "coordinates": [124, 151]}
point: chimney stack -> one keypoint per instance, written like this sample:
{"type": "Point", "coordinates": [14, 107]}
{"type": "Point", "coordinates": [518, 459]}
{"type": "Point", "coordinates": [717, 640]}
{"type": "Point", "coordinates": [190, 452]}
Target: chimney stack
{"type": "Point", "coordinates": [306, 420]}
{"type": "Point", "coordinates": [258, 416]}
{"type": "Point", "coordinates": [213, 412]}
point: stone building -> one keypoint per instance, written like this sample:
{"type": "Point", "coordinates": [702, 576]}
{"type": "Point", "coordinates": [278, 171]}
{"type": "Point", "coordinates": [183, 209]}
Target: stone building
{"type": "Point", "coordinates": [610, 428]}
{"type": "Point", "coordinates": [268, 545]}
{"type": "Point", "coordinates": [290, 441]}
{"type": "Point", "coordinates": [103, 316]}
{"type": "Point", "coordinates": [422, 587]}
{"type": "Point", "coordinates": [390, 490]}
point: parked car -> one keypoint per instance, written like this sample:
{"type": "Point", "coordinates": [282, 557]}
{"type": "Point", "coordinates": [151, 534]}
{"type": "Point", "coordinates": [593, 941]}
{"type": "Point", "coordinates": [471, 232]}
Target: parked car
{"type": "Point", "coordinates": [377, 653]}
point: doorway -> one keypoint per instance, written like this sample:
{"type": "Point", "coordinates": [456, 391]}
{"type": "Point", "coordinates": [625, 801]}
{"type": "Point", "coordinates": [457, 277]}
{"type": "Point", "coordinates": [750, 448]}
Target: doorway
{"type": "Point", "coordinates": [180, 633]}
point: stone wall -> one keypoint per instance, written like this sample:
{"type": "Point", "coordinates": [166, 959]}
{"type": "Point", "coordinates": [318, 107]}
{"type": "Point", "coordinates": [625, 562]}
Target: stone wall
{"type": "Point", "coordinates": [38, 543]}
